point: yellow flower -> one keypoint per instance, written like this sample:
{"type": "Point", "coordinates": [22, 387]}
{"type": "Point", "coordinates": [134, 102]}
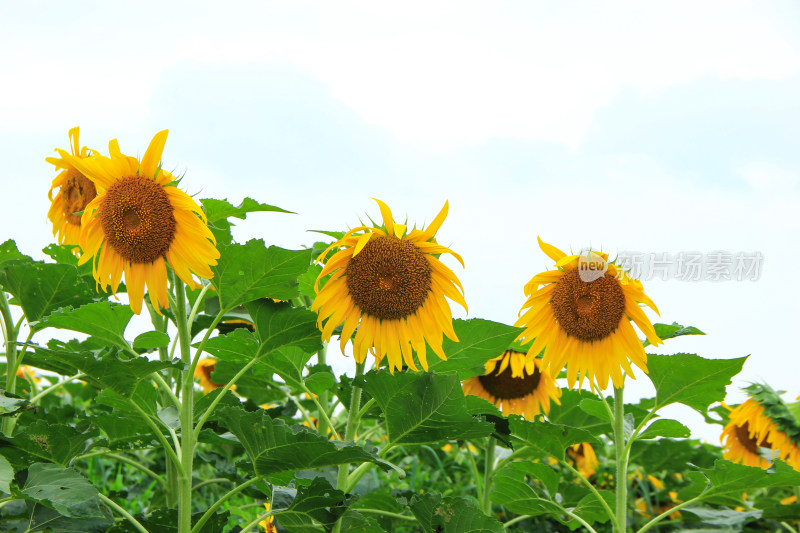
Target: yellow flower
{"type": "Point", "coordinates": [203, 372]}
{"type": "Point", "coordinates": [586, 325]}
{"type": "Point", "coordinates": [392, 286]}
{"type": "Point", "coordinates": [585, 459]}
{"type": "Point", "coordinates": [641, 507]}
{"type": "Point", "coordinates": [750, 428]}
{"type": "Point", "coordinates": [269, 523]}
{"type": "Point", "coordinates": [138, 222]}
{"type": "Point", "coordinates": [515, 385]}
{"type": "Point", "coordinates": [75, 191]}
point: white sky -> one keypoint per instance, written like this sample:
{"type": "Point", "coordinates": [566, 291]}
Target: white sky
{"type": "Point", "coordinates": [656, 127]}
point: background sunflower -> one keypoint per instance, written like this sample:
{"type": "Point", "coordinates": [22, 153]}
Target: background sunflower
{"type": "Point", "coordinates": [391, 285]}
{"type": "Point", "coordinates": [586, 325]}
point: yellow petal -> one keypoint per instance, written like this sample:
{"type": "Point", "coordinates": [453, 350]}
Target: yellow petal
{"type": "Point", "coordinates": [386, 213]}
{"type": "Point", "coordinates": [152, 157]}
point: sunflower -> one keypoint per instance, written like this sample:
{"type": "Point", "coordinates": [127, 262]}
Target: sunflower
{"type": "Point", "coordinates": [74, 191]}
{"type": "Point", "coordinates": [515, 385]}
{"type": "Point", "coordinates": [392, 286]}
{"type": "Point", "coordinates": [138, 222]}
{"type": "Point", "coordinates": [751, 426]}
{"type": "Point", "coordinates": [203, 372]}
{"type": "Point", "coordinates": [586, 325]}
{"type": "Point", "coordinates": [584, 458]}
{"type": "Point", "coordinates": [268, 523]}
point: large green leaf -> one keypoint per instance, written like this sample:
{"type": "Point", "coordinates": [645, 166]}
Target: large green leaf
{"type": "Point", "coordinates": [279, 325]}
{"type": "Point", "coordinates": [510, 487]}
{"type": "Point", "coordinates": [423, 407]}
{"type": "Point", "coordinates": [670, 331]}
{"type": "Point", "coordinates": [11, 403]}
{"type": "Point", "coordinates": [727, 478]}
{"type": "Point", "coordinates": [104, 320]}
{"type": "Point", "coordinates": [690, 379]}
{"type": "Point", "coordinates": [166, 520]}
{"type": "Point", "coordinates": [30, 516]}
{"type": "Point", "coordinates": [9, 252]}
{"type": "Point", "coordinates": [41, 441]}
{"type": "Point", "coordinates": [273, 447]}
{"type": "Point", "coordinates": [41, 288]}
{"type": "Point", "coordinates": [572, 411]}
{"type": "Point", "coordinates": [662, 455]}
{"type": "Point", "coordinates": [454, 514]}
{"type": "Point", "coordinates": [249, 271]}
{"type": "Point", "coordinates": [665, 428]}
{"type": "Point", "coordinates": [315, 508]}
{"type": "Point", "coordinates": [240, 347]}
{"type": "Point", "coordinates": [64, 490]}
{"type": "Point", "coordinates": [548, 440]}
{"type": "Point", "coordinates": [478, 341]}
{"type": "Point", "coordinates": [6, 475]}
{"type": "Point", "coordinates": [218, 212]}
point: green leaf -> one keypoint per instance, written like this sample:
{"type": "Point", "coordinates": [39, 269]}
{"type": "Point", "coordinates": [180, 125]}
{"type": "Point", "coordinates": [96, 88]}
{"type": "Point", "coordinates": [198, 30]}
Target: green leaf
{"type": "Point", "coordinates": [218, 212]}
{"type": "Point", "coordinates": [30, 516]}
{"type": "Point", "coordinates": [320, 379]}
{"type": "Point", "coordinates": [150, 340]}
{"type": "Point", "coordinates": [318, 503]}
{"type": "Point", "coordinates": [41, 441]}
{"type": "Point", "coordinates": [665, 428]}
{"type": "Point", "coordinates": [273, 447]}
{"type": "Point", "coordinates": [571, 412]}
{"type": "Point", "coordinates": [120, 428]}
{"type": "Point", "coordinates": [166, 520]}
{"type": "Point", "coordinates": [105, 320]}
{"type": "Point", "coordinates": [6, 476]}
{"type": "Point", "coordinates": [308, 280]}
{"type": "Point", "coordinates": [249, 271]}
{"type": "Point", "coordinates": [422, 408]}
{"type": "Point", "coordinates": [455, 514]}
{"type": "Point", "coordinates": [670, 331]}
{"type": "Point", "coordinates": [727, 478]}
{"type": "Point", "coordinates": [10, 252]}
{"type": "Point", "coordinates": [662, 455]}
{"type": "Point", "coordinates": [11, 403]}
{"type": "Point", "coordinates": [63, 489]}
{"type": "Point", "coordinates": [690, 379]}
{"type": "Point", "coordinates": [479, 341]}
{"type": "Point", "coordinates": [591, 510]}
{"type": "Point", "coordinates": [241, 346]}
{"type": "Point", "coordinates": [511, 488]}
{"type": "Point", "coordinates": [355, 522]}
{"type": "Point", "coordinates": [279, 325]}
{"type": "Point", "coordinates": [41, 288]}
{"type": "Point", "coordinates": [549, 440]}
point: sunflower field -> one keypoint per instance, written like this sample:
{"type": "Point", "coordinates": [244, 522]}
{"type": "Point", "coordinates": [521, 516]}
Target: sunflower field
{"type": "Point", "coordinates": [224, 413]}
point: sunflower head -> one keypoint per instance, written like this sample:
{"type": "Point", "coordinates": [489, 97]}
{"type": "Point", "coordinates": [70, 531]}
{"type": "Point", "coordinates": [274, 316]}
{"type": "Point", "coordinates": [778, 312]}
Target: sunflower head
{"type": "Point", "coordinates": [757, 431]}
{"type": "Point", "coordinates": [75, 191]}
{"type": "Point", "coordinates": [268, 523]}
{"type": "Point", "coordinates": [203, 370]}
{"type": "Point", "coordinates": [139, 222]}
{"type": "Point", "coordinates": [516, 385]}
{"type": "Point", "coordinates": [580, 316]}
{"type": "Point", "coordinates": [389, 284]}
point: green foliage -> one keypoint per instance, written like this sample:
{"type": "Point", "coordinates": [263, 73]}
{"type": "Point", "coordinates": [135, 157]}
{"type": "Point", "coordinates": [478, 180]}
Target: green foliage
{"type": "Point", "coordinates": [106, 321]}
{"type": "Point", "coordinates": [548, 440]}
{"type": "Point", "coordinates": [478, 341]}
{"type": "Point", "coordinates": [452, 515]}
{"type": "Point", "coordinates": [219, 211]}
{"type": "Point", "coordinates": [64, 490]}
{"type": "Point", "coordinates": [670, 331]}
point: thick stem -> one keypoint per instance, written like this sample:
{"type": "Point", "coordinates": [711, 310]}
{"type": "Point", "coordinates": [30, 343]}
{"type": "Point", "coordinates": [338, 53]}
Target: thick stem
{"type": "Point", "coordinates": [349, 433]}
{"type": "Point", "coordinates": [622, 462]}
{"type": "Point", "coordinates": [322, 406]}
{"type": "Point", "coordinates": [10, 338]}
{"type": "Point", "coordinates": [488, 474]}
{"type": "Point", "coordinates": [186, 412]}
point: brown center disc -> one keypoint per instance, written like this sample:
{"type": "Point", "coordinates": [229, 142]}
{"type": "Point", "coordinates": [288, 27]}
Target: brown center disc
{"type": "Point", "coordinates": [506, 387]}
{"type": "Point", "coordinates": [588, 311]}
{"type": "Point", "coordinates": [137, 219]}
{"type": "Point", "coordinates": [389, 279]}
{"type": "Point", "coordinates": [77, 191]}
{"type": "Point", "coordinates": [750, 444]}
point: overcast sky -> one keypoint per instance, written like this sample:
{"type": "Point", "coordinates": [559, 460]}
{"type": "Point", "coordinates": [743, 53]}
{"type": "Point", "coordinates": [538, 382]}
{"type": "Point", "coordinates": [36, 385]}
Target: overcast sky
{"type": "Point", "coordinates": [629, 126]}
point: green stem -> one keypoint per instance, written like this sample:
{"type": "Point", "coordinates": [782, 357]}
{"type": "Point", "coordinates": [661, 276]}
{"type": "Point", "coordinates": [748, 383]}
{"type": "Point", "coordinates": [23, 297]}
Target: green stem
{"type": "Point", "coordinates": [516, 519]}
{"type": "Point", "coordinates": [123, 459]}
{"type": "Point", "coordinates": [323, 413]}
{"type": "Point", "coordinates": [622, 462]}
{"type": "Point", "coordinates": [322, 405]}
{"type": "Point", "coordinates": [476, 475]}
{"type": "Point", "coordinates": [389, 514]}
{"type": "Point", "coordinates": [305, 414]}
{"type": "Point", "coordinates": [669, 511]}
{"type": "Point", "coordinates": [591, 487]}
{"type": "Point", "coordinates": [199, 427]}
{"type": "Point", "coordinates": [788, 528]}
{"type": "Point", "coordinates": [367, 406]}
{"type": "Point", "coordinates": [349, 433]}
{"type": "Point", "coordinates": [225, 497]}
{"type": "Point", "coordinates": [167, 390]}
{"type": "Point", "coordinates": [211, 482]}
{"type": "Point", "coordinates": [196, 306]}
{"type": "Point", "coordinates": [488, 473]}
{"type": "Point", "coordinates": [186, 412]}
{"type": "Point", "coordinates": [251, 525]}
{"type": "Point", "coordinates": [156, 431]}
{"type": "Point", "coordinates": [129, 517]}
{"type": "Point", "coordinates": [639, 429]}
{"type": "Point", "coordinates": [577, 518]}
{"type": "Point", "coordinates": [55, 387]}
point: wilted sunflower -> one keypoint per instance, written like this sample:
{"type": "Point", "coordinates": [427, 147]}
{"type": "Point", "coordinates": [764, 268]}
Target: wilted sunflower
{"type": "Point", "coordinates": [763, 421]}
{"type": "Point", "coordinates": [515, 385]}
{"type": "Point", "coordinates": [138, 222]}
{"type": "Point", "coordinates": [392, 286]}
{"type": "Point", "coordinates": [584, 458]}
{"type": "Point", "coordinates": [203, 372]}
{"type": "Point", "coordinates": [74, 191]}
{"type": "Point", "coordinates": [586, 325]}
